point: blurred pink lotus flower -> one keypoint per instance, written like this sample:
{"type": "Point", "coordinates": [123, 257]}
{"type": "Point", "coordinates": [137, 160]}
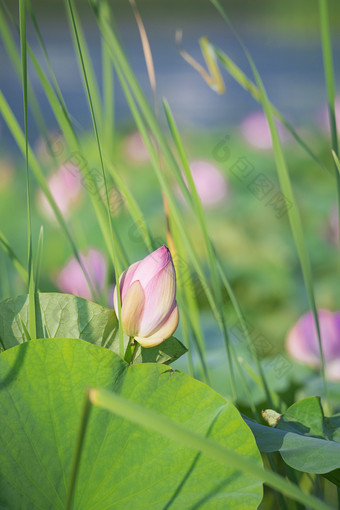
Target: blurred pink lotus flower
{"type": "Point", "coordinates": [256, 132]}
{"type": "Point", "coordinates": [66, 188]}
{"type": "Point", "coordinates": [134, 148]}
{"type": "Point", "coordinates": [210, 183]}
{"type": "Point", "coordinates": [302, 342]}
{"type": "Point", "coordinates": [149, 310]}
{"type": "Point", "coordinates": [71, 278]}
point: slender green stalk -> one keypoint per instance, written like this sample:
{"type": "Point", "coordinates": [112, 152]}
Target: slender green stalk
{"type": "Point", "coordinates": [330, 83]}
{"type": "Point", "coordinates": [280, 498]}
{"type": "Point", "coordinates": [193, 312]}
{"type": "Point", "coordinates": [134, 353]}
{"type": "Point", "coordinates": [44, 50]}
{"type": "Point", "coordinates": [39, 258]}
{"type": "Point", "coordinates": [132, 205]}
{"type": "Point", "coordinates": [19, 137]}
{"type": "Point", "coordinates": [247, 392]}
{"type": "Point", "coordinates": [292, 476]}
{"type": "Point", "coordinates": [211, 253]}
{"type": "Point", "coordinates": [117, 266]}
{"type": "Point", "coordinates": [186, 341]}
{"type": "Point", "coordinates": [27, 336]}
{"type": "Point", "coordinates": [85, 61]}
{"type": "Point", "coordinates": [5, 290]}
{"type": "Point", "coordinates": [186, 241]}
{"type": "Point", "coordinates": [60, 113]}
{"type": "Point", "coordinates": [62, 116]}
{"type": "Point", "coordinates": [122, 69]}
{"type": "Point", "coordinates": [286, 187]}
{"type": "Point", "coordinates": [244, 326]}
{"type": "Point", "coordinates": [30, 266]}
{"type": "Point", "coordinates": [15, 260]}
{"type": "Point", "coordinates": [188, 305]}
{"type": "Point", "coordinates": [74, 145]}
{"type": "Point", "coordinates": [184, 279]}
{"type": "Point", "coordinates": [14, 55]}
{"type": "Point", "coordinates": [71, 138]}
{"type": "Point", "coordinates": [181, 434]}
{"type": "Point", "coordinates": [63, 120]}
{"type": "Point", "coordinates": [336, 161]}
{"type": "Point", "coordinates": [248, 85]}
{"type": "Point", "coordinates": [108, 87]}
{"type": "Point", "coordinates": [215, 80]}
{"type": "Point", "coordinates": [87, 406]}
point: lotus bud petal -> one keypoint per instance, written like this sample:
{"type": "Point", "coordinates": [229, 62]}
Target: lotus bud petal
{"type": "Point", "coordinates": [164, 332]}
{"type": "Point", "coordinates": [149, 310]}
{"type": "Point", "coordinates": [302, 340]}
{"type": "Point", "coordinates": [133, 308]}
{"type": "Point", "coordinates": [124, 283]}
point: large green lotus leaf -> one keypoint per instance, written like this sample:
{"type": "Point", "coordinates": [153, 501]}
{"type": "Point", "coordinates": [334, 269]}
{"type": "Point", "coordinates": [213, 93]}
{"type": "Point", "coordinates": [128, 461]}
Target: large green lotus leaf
{"type": "Point", "coordinates": [68, 316]}
{"type": "Point", "coordinates": [58, 316]}
{"type": "Point", "coordinates": [304, 453]}
{"type": "Point", "coordinates": [123, 466]}
{"type": "Point", "coordinates": [307, 440]}
{"type": "Point", "coordinates": [306, 417]}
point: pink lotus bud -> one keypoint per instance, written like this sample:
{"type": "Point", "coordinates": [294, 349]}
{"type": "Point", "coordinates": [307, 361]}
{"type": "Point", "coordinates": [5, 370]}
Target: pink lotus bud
{"type": "Point", "coordinates": [302, 341]}
{"type": "Point", "coordinates": [71, 278]}
{"type": "Point", "coordinates": [255, 130]}
{"type": "Point", "coordinates": [66, 188]}
{"type": "Point", "coordinates": [149, 310]}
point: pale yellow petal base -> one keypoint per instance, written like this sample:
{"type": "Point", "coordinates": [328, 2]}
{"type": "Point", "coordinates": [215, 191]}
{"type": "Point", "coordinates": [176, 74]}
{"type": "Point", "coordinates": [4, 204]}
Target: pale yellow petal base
{"type": "Point", "coordinates": [149, 342]}
{"type": "Point", "coordinates": [163, 332]}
